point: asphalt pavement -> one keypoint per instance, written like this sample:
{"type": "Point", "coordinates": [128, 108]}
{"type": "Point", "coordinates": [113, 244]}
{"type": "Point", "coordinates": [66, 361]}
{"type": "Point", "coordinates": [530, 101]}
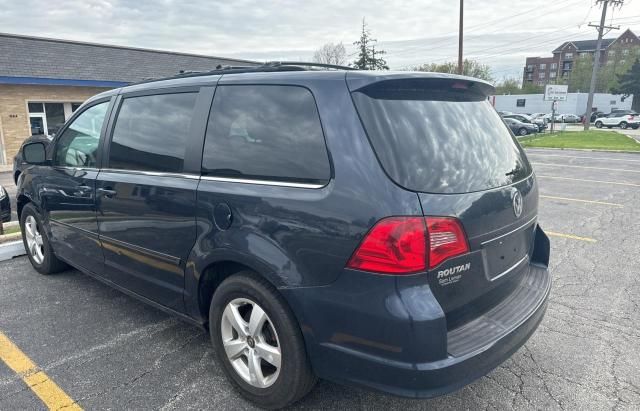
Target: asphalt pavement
{"type": "Point", "coordinates": [106, 350]}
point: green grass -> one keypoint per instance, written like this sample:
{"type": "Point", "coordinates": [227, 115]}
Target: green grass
{"type": "Point", "coordinates": [592, 139]}
{"type": "Point", "coordinates": [11, 230]}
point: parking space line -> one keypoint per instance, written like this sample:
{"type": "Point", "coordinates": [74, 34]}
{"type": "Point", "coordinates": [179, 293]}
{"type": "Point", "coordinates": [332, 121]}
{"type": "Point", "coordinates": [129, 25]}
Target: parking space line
{"type": "Point", "coordinates": [571, 236]}
{"type": "Point", "coordinates": [539, 153]}
{"type": "Point", "coordinates": [48, 391]}
{"type": "Point", "coordinates": [582, 201]}
{"type": "Point", "coordinates": [589, 167]}
{"type": "Point", "coordinates": [589, 181]}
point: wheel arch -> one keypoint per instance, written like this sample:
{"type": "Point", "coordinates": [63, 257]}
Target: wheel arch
{"type": "Point", "coordinates": [203, 282]}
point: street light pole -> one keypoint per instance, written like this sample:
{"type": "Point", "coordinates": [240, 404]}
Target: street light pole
{"type": "Point", "coordinates": [460, 61]}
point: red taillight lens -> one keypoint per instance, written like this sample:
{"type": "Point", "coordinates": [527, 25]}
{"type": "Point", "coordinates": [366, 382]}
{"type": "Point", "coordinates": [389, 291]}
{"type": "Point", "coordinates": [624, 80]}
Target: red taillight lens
{"type": "Point", "coordinates": [446, 239]}
{"type": "Point", "coordinates": [398, 245]}
{"type": "Point", "coordinates": [395, 245]}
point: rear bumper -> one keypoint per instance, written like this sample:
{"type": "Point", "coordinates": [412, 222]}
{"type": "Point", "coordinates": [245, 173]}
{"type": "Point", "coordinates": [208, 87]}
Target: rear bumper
{"type": "Point", "coordinates": [397, 341]}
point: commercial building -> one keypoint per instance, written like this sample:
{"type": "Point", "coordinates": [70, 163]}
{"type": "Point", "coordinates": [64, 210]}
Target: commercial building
{"type": "Point", "coordinates": [43, 80]}
{"type": "Point", "coordinates": [545, 70]}
{"type": "Point", "coordinates": [576, 103]}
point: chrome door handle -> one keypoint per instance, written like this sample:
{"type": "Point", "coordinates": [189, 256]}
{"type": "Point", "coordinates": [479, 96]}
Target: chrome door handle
{"type": "Point", "coordinates": [107, 192]}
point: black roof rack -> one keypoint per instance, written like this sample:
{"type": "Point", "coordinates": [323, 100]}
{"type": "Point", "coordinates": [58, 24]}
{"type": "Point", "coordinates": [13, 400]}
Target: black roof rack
{"type": "Point", "coordinates": [270, 66]}
{"type": "Point", "coordinates": [306, 64]}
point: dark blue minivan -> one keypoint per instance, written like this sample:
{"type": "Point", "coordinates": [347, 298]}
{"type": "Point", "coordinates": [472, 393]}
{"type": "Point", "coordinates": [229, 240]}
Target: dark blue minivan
{"type": "Point", "coordinates": [369, 228]}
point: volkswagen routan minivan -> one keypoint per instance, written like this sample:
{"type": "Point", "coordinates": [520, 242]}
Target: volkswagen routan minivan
{"type": "Point", "coordinates": [370, 228]}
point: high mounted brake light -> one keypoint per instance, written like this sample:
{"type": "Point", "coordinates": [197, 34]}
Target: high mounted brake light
{"type": "Point", "coordinates": [407, 245]}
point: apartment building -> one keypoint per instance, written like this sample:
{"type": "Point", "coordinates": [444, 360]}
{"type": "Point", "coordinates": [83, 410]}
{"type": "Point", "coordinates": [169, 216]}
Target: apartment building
{"type": "Point", "coordinates": [545, 70]}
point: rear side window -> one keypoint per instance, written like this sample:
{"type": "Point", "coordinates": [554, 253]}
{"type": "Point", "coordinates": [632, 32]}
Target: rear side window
{"type": "Point", "coordinates": [265, 132]}
{"type": "Point", "coordinates": [151, 133]}
{"type": "Point", "coordinates": [439, 136]}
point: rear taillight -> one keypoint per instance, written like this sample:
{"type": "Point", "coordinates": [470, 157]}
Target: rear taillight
{"type": "Point", "coordinates": [446, 239]}
{"type": "Point", "coordinates": [406, 245]}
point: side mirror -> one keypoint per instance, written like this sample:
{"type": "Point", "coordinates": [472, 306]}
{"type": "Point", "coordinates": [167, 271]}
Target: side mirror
{"type": "Point", "coordinates": [35, 153]}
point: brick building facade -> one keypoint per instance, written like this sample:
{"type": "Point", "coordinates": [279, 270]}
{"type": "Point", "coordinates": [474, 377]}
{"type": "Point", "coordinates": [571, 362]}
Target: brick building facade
{"type": "Point", "coordinates": [42, 81]}
{"type": "Point", "coordinates": [545, 70]}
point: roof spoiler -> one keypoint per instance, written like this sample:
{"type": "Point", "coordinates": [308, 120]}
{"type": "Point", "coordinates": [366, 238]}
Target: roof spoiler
{"type": "Point", "coordinates": [359, 80]}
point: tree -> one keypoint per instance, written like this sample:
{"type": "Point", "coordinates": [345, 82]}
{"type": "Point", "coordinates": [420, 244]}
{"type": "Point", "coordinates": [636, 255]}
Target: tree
{"type": "Point", "coordinates": [368, 57]}
{"type": "Point", "coordinates": [470, 68]}
{"type": "Point", "coordinates": [331, 54]}
{"type": "Point", "coordinates": [580, 78]}
{"type": "Point", "coordinates": [508, 86]}
{"type": "Point", "coordinates": [629, 83]}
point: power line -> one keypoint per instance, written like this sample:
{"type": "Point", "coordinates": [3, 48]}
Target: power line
{"type": "Point", "coordinates": [437, 43]}
{"type": "Point", "coordinates": [596, 59]}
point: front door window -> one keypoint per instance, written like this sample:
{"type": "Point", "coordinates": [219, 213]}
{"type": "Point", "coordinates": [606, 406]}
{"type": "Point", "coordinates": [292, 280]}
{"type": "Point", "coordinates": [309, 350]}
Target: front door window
{"type": "Point", "coordinates": [78, 144]}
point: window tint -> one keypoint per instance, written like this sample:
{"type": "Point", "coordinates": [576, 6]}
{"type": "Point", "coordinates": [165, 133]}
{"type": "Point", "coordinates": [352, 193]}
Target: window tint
{"type": "Point", "coordinates": [151, 132]}
{"type": "Point", "coordinates": [439, 138]}
{"type": "Point", "coordinates": [78, 145]}
{"type": "Point", "coordinates": [265, 132]}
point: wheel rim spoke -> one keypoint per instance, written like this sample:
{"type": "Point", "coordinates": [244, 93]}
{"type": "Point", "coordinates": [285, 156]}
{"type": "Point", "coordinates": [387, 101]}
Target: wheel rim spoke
{"type": "Point", "coordinates": [269, 353]}
{"type": "Point", "coordinates": [257, 319]}
{"type": "Point", "coordinates": [235, 348]}
{"type": "Point", "coordinates": [255, 370]}
{"type": "Point", "coordinates": [232, 315]}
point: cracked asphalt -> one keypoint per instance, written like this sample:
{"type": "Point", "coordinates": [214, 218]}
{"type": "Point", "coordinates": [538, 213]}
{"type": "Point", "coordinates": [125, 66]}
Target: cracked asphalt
{"type": "Point", "coordinates": [109, 351]}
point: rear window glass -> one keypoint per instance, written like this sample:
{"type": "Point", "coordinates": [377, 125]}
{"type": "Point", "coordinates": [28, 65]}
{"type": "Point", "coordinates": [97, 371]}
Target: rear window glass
{"type": "Point", "coordinates": [267, 133]}
{"type": "Point", "coordinates": [151, 133]}
{"type": "Point", "coordinates": [437, 138]}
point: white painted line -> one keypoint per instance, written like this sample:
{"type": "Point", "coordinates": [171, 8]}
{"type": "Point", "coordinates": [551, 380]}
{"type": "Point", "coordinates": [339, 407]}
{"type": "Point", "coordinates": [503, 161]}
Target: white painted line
{"type": "Point", "coordinates": [582, 201]}
{"type": "Point", "coordinates": [589, 167]}
{"type": "Point", "coordinates": [595, 158]}
{"type": "Point", "coordinates": [590, 181]}
{"type": "Point", "coordinates": [11, 250]}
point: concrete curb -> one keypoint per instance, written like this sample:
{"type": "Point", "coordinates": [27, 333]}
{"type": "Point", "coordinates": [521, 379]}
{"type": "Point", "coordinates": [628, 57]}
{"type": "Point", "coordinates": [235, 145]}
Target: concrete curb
{"type": "Point", "coordinates": [11, 250]}
{"type": "Point", "coordinates": [10, 237]}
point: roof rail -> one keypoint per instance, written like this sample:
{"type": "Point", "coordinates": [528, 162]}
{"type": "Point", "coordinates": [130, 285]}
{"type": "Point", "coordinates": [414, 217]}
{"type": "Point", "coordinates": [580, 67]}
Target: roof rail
{"type": "Point", "coordinates": [270, 66]}
{"type": "Point", "coordinates": [306, 64]}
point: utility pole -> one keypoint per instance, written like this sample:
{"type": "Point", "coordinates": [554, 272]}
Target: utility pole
{"type": "Point", "coordinates": [460, 62]}
{"type": "Point", "coordinates": [596, 58]}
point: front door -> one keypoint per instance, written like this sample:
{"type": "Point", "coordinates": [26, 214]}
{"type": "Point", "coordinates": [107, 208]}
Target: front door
{"type": "Point", "coordinates": [69, 193]}
{"type": "Point", "coordinates": [146, 197]}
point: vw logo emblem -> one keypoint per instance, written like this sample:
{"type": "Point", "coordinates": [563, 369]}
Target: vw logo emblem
{"type": "Point", "coordinates": [517, 203]}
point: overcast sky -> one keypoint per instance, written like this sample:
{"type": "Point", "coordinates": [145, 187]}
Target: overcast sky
{"type": "Point", "coordinates": [500, 33]}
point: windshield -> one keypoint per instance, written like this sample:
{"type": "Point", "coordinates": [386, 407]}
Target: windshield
{"type": "Point", "coordinates": [439, 140]}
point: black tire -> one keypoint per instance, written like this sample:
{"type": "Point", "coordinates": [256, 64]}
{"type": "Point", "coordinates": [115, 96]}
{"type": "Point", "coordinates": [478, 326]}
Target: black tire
{"type": "Point", "coordinates": [295, 378]}
{"type": "Point", "coordinates": [523, 131]}
{"type": "Point", "coordinates": [623, 125]}
{"type": "Point", "coordinates": [598, 124]}
{"type": "Point", "coordinates": [50, 263]}
{"type": "Point", "coordinates": [635, 127]}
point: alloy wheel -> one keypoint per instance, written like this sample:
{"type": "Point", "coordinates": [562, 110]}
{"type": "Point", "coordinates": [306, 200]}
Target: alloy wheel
{"type": "Point", "coordinates": [34, 239]}
{"type": "Point", "coordinates": [251, 342]}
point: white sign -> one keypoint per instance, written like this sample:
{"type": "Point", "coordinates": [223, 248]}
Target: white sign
{"type": "Point", "coordinates": [556, 92]}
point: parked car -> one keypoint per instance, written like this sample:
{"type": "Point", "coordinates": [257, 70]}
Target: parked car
{"type": "Point", "coordinates": [620, 112]}
{"type": "Point", "coordinates": [5, 205]}
{"type": "Point", "coordinates": [335, 224]}
{"type": "Point", "coordinates": [18, 161]}
{"type": "Point", "coordinates": [540, 123]}
{"type": "Point", "coordinates": [570, 118]}
{"type": "Point", "coordinates": [619, 120]}
{"type": "Point", "coordinates": [519, 128]}
{"type": "Point", "coordinates": [595, 115]}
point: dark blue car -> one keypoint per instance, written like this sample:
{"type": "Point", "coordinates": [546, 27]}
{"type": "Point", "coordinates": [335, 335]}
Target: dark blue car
{"type": "Point", "coordinates": [370, 228]}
